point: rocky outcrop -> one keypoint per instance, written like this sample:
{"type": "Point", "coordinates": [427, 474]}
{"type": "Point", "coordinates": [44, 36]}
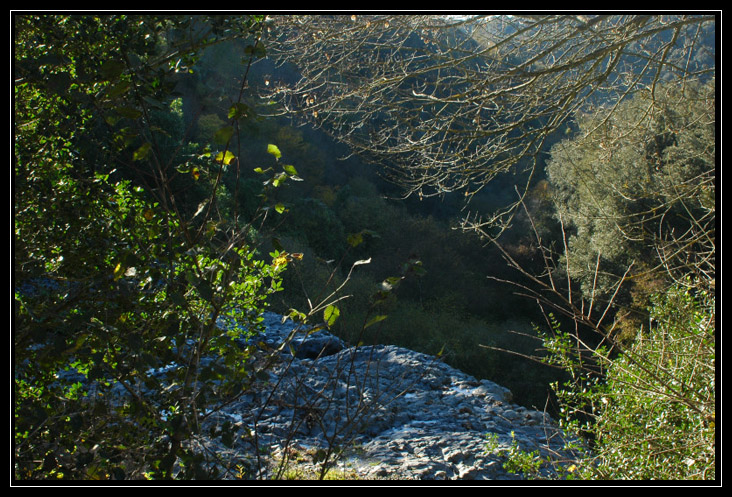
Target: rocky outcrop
{"type": "Point", "coordinates": [379, 412]}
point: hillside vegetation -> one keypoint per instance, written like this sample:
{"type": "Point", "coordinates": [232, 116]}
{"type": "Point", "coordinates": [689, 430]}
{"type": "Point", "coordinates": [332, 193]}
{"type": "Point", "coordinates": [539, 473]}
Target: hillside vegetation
{"type": "Point", "coordinates": [171, 171]}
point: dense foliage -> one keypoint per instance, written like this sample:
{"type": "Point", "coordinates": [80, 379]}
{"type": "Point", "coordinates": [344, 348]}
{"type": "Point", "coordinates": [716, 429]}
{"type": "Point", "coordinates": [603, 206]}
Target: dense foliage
{"type": "Point", "coordinates": [637, 192]}
{"type": "Point", "coordinates": [119, 284]}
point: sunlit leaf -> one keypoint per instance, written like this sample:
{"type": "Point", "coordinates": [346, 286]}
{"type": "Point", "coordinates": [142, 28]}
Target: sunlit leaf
{"type": "Point", "coordinates": [296, 316]}
{"type": "Point", "coordinates": [196, 173]}
{"type": "Point", "coordinates": [201, 206]}
{"type": "Point", "coordinates": [290, 170]}
{"type": "Point", "coordinates": [226, 159]}
{"type": "Point", "coordinates": [277, 180]}
{"type": "Point", "coordinates": [280, 208]}
{"type": "Point", "coordinates": [119, 270]}
{"type": "Point", "coordinates": [331, 314]}
{"type": "Point", "coordinates": [274, 150]}
{"type": "Point", "coordinates": [280, 260]}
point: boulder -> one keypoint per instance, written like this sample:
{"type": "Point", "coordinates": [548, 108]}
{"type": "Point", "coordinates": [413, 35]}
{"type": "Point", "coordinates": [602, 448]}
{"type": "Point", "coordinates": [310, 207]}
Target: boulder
{"type": "Point", "coordinates": [386, 411]}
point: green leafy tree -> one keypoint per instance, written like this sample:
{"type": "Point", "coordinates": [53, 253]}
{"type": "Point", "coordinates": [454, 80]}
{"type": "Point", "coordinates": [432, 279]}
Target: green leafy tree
{"type": "Point", "coordinates": [120, 287]}
{"type": "Point", "coordinates": [636, 192]}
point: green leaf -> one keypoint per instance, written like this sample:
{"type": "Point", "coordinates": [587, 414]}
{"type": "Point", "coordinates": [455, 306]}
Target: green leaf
{"type": "Point", "coordinates": [355, 239]}
{"type": "Point", "coordinates": [272, 149]}
{"type": "Point", "coordinates": [374, 320]}
{"type": "Point", "coordinates": [204, 290]}
{"type": "Point", "coordinates": [226, 159]}
{"type": "Point", "coordinates": [290, 170]}
{"type": "Point", "coordinates": [153, 102]}
{"type": "Point", "coordinates": [277, 246]}
{"type": "Point", "coordinates": [223, 135]}
{"type": "Point", "coordinates": [331, 314]}
{"type": "Point", "coordinates": [297, 316]}
{"type": "Point", "coordinates": [178, 299]}
{"type": "Point", "coordinates": [142, 152]}
{"type": "Point", "coordinates": [237, 111]}
{"type": "Point", "coordinates": [280, 208]}
{"type": "Point", "coordinates": [277, 180]}
{"type": "Point", "coordinates": [59, 82]}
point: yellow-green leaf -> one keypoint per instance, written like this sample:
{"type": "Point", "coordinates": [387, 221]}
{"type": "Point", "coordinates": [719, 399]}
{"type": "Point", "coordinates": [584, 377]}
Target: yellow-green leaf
{"type": "Point", "coordinates": [142, 152]}
{"type": "Point", "coordinates": [279, 261]}
{"type": "Point", "coordinates": [442, 351]}
{"type": "Point", "coordinates": [331, 314]}
{"type": "Point", "coordinates": [226, 159]}
{"type": "Point", "coordinates": [119, 270]}
{"type": "Point", "coordinates": [274, 150]}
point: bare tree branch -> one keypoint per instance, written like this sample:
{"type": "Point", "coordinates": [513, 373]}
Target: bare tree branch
{"type": "Point", "coordinates": [450, 103]}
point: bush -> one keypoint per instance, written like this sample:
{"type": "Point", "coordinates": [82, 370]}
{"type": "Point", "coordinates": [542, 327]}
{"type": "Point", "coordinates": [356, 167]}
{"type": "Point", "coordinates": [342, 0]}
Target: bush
{"type": "Point", "coordinates": [653, 414]}
{"type": "Point", "coordinates": [658, 417]}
